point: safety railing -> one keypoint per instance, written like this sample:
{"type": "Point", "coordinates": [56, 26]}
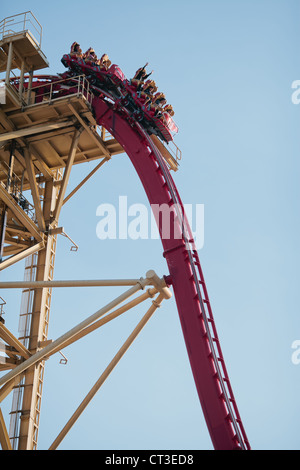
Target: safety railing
{"type": "Point", "coordinates": [49, 91]}
{"type": "Point", "coordinates": [22, 22]}
{"type": "Point", "coordinates": [174, 151]}
{"type": "Point", "coordinates": [105, 134]}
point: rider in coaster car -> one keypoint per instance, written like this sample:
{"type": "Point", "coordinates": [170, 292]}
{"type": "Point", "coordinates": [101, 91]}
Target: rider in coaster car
{"type": "Point", "coordinates": [169, 109]}
{"type": "Point", "coordinates": [76, 50]}
{"type": "Point", "coordinates": [147, 91]}
{"type": "Point", "coordinates": [140, 77]}
{"type": "Point", "coordinates": [90, 57]}
{"type": "Point", "coordinates": [104, 62]}
{"type": "Point", "coordinates": [157, 103]}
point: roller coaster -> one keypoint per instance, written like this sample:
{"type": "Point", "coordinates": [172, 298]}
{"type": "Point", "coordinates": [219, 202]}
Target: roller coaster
{"type": "Point", "coordinates": [39, 111]}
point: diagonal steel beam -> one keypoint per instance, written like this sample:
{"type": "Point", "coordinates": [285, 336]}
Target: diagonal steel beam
{"type": "Point", "coordinates": [106, 159]}
{"type": "Point", "coordinates": [59, 342]}
{"type": "Point", "coordinates": [4, 438]}
{"type": "Point", "coordinates": [155, 304]}
{"type": "Point", "coordinates": [40, 164]}
{"type": "Point", "coordinates": [95, 137]}
{"type": "Point", "coordinates": [8, 387]}
{"type": "Point", "coordinates": [67, 172]}
{"type": "Point", "coordinates": [19, 213]}
{"type": "Point", "coordinates": [11, 340]}
{"type": "Point", "coordinates": [34, 191]}
{"type": "Point", "coordinates": [21, 255]}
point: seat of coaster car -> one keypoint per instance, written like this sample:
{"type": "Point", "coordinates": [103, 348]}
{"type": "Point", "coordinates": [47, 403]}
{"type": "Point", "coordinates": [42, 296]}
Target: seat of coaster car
{"type": "Point", "coordinates": [113, 73]}
{"type": "Point", "coordinates": [116, 72]}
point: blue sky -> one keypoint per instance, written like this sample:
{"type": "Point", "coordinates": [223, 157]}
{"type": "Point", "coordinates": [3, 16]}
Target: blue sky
{"type": "Point", "coordinates": [227, 68]}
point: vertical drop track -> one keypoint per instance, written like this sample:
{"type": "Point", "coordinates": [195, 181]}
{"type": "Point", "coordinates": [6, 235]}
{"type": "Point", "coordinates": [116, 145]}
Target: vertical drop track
{"type": "Point", "coordinates": [186, 276]}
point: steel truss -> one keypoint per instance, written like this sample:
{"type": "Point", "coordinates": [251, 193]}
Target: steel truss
{"type": "Point", "coordinates": [47, 348]}
{"type": "Point", "coordinates": [39, 144]}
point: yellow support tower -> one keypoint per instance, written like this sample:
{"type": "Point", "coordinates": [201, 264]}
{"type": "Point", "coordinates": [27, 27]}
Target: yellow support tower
{"type": "Point", "coordinates": [39, 144]}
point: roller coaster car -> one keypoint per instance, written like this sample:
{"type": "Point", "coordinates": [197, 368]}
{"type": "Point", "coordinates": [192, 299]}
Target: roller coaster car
{"type": "Point", "coordinates": [163, 123]}
{"type": "Point", "coordinates": [115, 82]}
{"type": "Point", "coordinates": [96, 74]}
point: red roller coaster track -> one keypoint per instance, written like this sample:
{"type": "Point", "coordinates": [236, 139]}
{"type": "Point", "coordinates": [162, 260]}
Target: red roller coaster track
{"type": "Point", "coordinates": [185, 274]}
{"type": "Point", "coordinates": [205, 355]}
